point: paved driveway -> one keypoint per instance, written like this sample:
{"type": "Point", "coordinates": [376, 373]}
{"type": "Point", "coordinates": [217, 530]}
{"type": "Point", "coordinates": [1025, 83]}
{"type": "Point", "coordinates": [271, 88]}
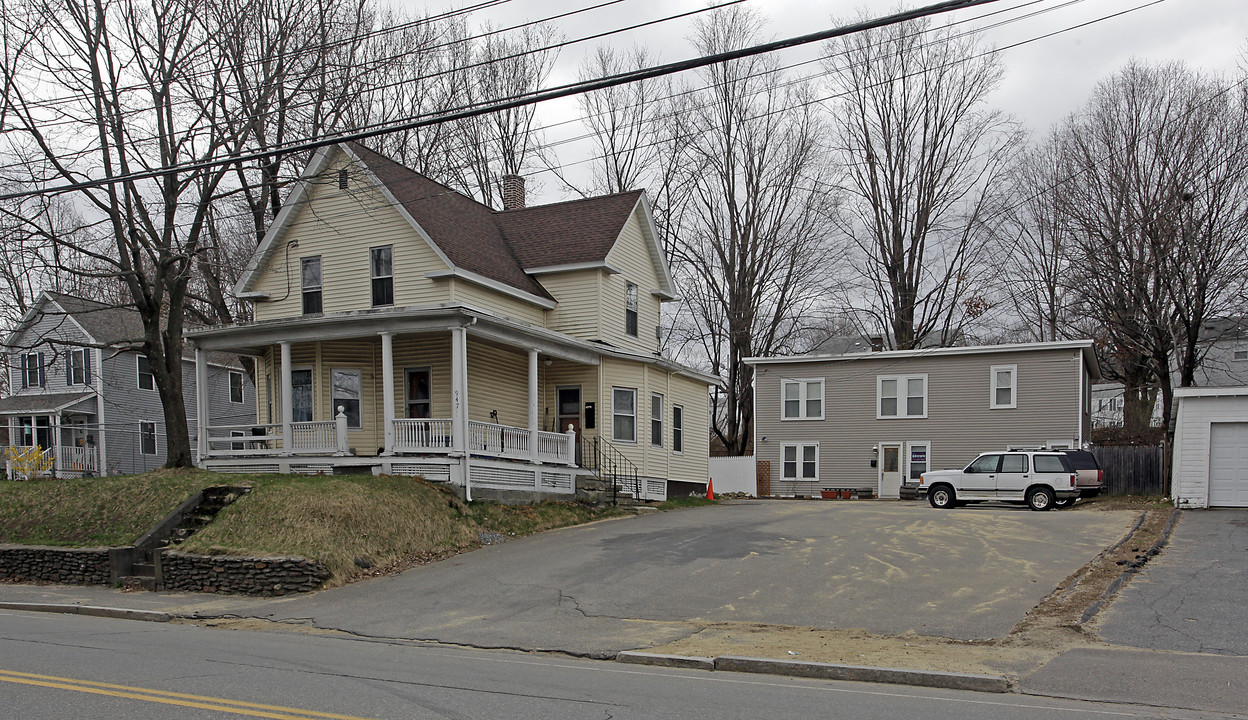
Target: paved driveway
{"type": "Point", "coordinates": [884, 566]}
{"type": "Point", "coordinates": [1191, 597]}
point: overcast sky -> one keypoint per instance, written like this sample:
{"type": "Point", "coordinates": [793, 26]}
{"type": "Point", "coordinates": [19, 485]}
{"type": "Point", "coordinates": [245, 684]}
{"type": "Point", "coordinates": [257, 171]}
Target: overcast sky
{"type": "Point", "coordinates": [1044, 81]}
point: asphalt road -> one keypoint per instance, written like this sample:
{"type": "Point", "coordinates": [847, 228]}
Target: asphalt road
{"type": "Point", "coordinates": [1190, 598]}
{"type": "Point", "coordinates": [59, 666]}
{"type": "Point", "coordinates": [618, 585]}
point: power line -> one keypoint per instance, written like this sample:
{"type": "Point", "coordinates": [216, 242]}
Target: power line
{"type": "Point", "coordinates": [524, 99]}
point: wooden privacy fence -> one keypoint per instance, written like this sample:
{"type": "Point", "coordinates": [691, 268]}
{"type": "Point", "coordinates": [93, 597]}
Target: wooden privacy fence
{"type": "Point", "coordinates": [1132, 469]}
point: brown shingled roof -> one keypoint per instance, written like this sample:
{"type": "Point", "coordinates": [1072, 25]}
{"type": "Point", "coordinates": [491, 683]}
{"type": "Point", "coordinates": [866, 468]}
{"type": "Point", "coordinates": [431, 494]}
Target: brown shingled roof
{"type": "Point", "coordinates": [501, 244]}
{"type": "Point", "coordinates": [463, 228]}
{"type": "Point", "coordinates": [577, 231]}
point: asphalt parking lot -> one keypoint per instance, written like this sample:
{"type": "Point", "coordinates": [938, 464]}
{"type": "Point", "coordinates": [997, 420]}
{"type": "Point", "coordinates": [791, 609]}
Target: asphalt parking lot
{"type": "Point", "coordinates": [1191, 597]}
{"type": "Point", "coordinates": [884, 566]}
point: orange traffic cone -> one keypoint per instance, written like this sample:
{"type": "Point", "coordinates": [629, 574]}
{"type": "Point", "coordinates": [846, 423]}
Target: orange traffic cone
{"type": "Point", "coordinates": [710, 488]}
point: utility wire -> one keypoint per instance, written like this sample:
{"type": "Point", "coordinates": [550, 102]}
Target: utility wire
{"type": "Point", "coordinates": [523, 99]}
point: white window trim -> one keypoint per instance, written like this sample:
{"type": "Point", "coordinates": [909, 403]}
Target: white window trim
{"type": "Point", "coordinates": [333, 401]}
{"type": "Point", "coordinates": [311, 376]}
{"type": "Point", "coordinates": [927, 446]}
{"type": "Point", "coordinates": [992, 387]}
{"type": "Point", "coordinates": [1239, 354]}
{"type": "Point", "coordinates": [614, 413]}
{"type": "Point", "coordinates": [242, 387]}
{"type": "Point", "coordinates": [680, 427]}
{"type": "Point", "coordinates": [155, 438]}
{"type": "Point", "coordinates": [799, 446]}
{"type": "Point", "coordinates": [802, 383]}
{"type": "Point", "coordinates": [902, 406]}
{"type": "Point", "coordinates": [138, 374]}
{"type": "Point", "coordinates": [659, 396]}
{"type": "Point", "coordinates": [83, 354]}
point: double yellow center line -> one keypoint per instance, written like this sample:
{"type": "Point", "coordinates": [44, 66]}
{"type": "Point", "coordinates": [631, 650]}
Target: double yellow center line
{"type": "Point", "coordinates": [168, 698]}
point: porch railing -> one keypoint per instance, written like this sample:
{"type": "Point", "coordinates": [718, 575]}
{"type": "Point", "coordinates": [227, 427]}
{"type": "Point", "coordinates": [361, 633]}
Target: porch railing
{"type": "Point", "coordinates": [64, 459]}
{"type": "Point", "coordinates": [498, 440]}
{"type": "Point", "coordinates": [315, 437]}
{"type": "Point", "coordinates": [423, 435]}
{"type": "Point", "coordinates": [434, 436]}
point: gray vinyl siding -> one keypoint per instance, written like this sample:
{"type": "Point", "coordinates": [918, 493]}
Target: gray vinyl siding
{"type": "Point", "coordinates": [54, 335]}
{"type": "Point", "coordinates": [959, 423]}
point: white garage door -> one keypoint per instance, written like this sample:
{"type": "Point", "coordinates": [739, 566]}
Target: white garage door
{"type": "Point", "coordinates": [1228, 465]}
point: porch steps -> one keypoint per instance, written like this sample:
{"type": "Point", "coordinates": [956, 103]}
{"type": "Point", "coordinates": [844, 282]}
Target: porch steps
{"type": "Point", "coordinates": [198, 511]}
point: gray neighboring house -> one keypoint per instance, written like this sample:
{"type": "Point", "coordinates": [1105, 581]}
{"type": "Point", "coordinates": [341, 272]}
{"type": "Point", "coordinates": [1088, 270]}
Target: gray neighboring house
{"type": "Point", "coordinates": [80, 393]}
{"type": "Point", "coordinates": [873, 421]}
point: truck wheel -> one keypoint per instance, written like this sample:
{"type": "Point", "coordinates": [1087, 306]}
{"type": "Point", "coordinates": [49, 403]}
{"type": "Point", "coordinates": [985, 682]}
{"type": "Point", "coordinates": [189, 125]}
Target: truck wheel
{"type": "Point", "coordinates": [941, 497]}
{"type": "Point", "coordinates": [1040, 498]}
{"type": "Point", "coordinates": [1063, 502]}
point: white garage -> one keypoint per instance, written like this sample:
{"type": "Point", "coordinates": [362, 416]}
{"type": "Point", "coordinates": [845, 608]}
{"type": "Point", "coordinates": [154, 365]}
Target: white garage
{"type": "Point", "coordinates": [1211, 447]}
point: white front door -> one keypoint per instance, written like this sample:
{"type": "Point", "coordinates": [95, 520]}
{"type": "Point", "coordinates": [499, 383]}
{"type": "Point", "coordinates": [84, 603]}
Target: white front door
{"type": "Point", "coordinates": [890, 470]}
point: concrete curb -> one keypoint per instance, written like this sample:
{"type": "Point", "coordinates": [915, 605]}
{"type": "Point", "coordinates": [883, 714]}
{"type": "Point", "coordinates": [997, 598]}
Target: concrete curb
{"type": "Point", "coordinates": [672, 661]}
{"type": "Point", "coordinates": [824, 671]}
{"type": "Point", "coordinates": [93, 610]}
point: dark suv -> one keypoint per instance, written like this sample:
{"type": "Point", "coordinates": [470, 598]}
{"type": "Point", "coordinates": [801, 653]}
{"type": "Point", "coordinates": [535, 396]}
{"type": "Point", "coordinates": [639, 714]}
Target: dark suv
{"type": "Point", "coordinates": [1091, 477]}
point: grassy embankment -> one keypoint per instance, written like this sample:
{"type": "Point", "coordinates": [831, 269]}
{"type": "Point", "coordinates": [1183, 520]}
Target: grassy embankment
{"type": "Point", "coordinates": [391, 522]}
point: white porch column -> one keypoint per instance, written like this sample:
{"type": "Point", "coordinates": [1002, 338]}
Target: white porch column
{"type": "Point", "coordinates": [202, 417]}
{"type": "Point", "coordinates": [387, 389]}
{"type": "Point", "coordinates": [288, 395]}
{"type": "Point", "coordinates": [533, 405]}
{"type": "Point", "coordinates": [459, 400]}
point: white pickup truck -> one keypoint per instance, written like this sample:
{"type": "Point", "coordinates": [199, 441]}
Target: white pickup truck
{"type": "Point", "coordinates": [1037, 478]}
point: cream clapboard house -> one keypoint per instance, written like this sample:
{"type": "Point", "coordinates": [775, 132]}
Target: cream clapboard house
{"type": "Point", "coordinates": [404, 328]}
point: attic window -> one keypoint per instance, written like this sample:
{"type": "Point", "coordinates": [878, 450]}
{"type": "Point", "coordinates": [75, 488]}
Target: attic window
{"type": "Point", "coordinates": [630, 309]}
{"type": "Point", "coordinates": [343, 182]}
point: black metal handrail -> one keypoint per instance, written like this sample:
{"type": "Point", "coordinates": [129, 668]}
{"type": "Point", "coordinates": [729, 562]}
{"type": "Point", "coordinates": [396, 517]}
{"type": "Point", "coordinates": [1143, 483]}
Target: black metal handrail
{"type": "Point", "coordinates": [610, 464]}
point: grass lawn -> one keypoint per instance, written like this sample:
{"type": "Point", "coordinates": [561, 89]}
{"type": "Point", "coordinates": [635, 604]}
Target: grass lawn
{"type": "Point", "coordinates": [391, 522]}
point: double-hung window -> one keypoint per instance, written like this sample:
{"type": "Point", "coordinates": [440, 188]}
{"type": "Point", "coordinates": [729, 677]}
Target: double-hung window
{"type": "Point", "coordinates": [33, 374]}
{"type": "Point", "coordinates": [656, 420]}
{"type": "Point", "coordinates": [803, 399]}
{"type": "Point", "coordinates": [147, 381]}
{"type": "Point", "coordinates": [630, 308]}
{"type": "Point", "coordinates": [1241, 354]}
{"type": "Point", "coordinates": [800, 461]}
{"type": "Point", "coordinates": [1004, 379]}
{"type": "Point", "coordinates": [624, 414]}
{"type": "Point", "coordinates": [147, 437]}
{"type": "Point", "coordinates": [346, 395]}
{"type": "Point", "coordinates": [310, 282]}
{"type": "Point", "coordinates": [236, 387]}
{"type": "Point", "coordinates": [78, 370]}
{"type": "Point", "coordinates": [381, 269]}
{"type": "Point", "coordinates": [678, 429]}
{"type": "Point", "coordinates": [901, 396]}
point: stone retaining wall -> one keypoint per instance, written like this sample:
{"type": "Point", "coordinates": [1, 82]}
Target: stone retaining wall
{"type": "Point", "coordinates": [240, 575]}
{"type": "Point", "coordinates": [77, 566]}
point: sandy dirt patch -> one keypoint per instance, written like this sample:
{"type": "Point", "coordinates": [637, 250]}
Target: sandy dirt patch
{"type": "Point", "coordinates": [1051, 627]}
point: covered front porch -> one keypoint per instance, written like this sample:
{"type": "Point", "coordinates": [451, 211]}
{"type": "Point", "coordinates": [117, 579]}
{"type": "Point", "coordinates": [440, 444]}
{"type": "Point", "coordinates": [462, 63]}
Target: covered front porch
{"type": "Point", "coordinates": [449, 394]}
{"type": "Point", "coordinates": [51, 435]}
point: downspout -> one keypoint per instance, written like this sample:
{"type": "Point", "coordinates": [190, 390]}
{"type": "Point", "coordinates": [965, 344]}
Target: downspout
{"type": "Point", "coordinates": [1079, 405]}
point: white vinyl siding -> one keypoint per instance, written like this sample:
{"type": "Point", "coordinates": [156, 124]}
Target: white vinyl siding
{"type": "Point", "coordinates": [802, 399]}
{"type": "Point", "coordinates": [1003, 381]}
{"type": "Point", "coordinates": [901, 396]}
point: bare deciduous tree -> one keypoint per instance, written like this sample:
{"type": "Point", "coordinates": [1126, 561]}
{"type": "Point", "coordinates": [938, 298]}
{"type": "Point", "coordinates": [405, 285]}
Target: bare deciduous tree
{"type": "Point", "coordinates": [1156, 192]}
{"type": "Point", "coordinates": [922, 157]}
{"type": "Point", "coordinates": [754, 237]}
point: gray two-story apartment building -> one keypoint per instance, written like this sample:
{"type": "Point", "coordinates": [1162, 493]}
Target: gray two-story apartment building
{"type": "Point", "coordinates": [81, 393]}
{"type": "Point", "coordinates": [876, 420]}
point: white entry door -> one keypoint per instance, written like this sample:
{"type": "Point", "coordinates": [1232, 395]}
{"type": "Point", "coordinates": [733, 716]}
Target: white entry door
{"type": "Point", "coordinates": [1228, 465]}
{"type": "Point", "coordinates": [890, 470]}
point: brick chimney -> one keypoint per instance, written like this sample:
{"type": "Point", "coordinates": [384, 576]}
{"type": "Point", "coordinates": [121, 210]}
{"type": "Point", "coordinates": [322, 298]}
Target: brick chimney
{"type": "Point", "coordinates": [513, 192]}
{"type": "Point", "coordinates": [877, 343]}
